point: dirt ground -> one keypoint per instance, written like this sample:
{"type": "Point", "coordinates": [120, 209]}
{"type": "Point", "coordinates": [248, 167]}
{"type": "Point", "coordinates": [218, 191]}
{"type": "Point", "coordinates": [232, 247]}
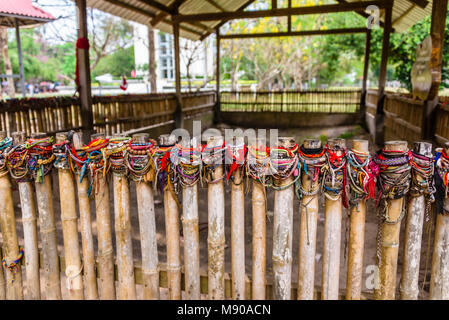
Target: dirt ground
{"type": "Point", "coordinates": [348, 132]}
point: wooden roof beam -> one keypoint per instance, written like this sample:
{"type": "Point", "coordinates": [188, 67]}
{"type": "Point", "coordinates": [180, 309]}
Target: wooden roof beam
{"type": "Point", "coordinates": [162, 15]}
{"type": "Point", "coordinates": [216, 5]}
{"type": "Point", "coordinates": [157, 5]}
{"type": "Point", "coordinates": [420, 3]}
{"type": "Point", "coordinates": [328, 8]}
{"type": "Point", "coordinates": [131, 7]}
{"type": "Point", "coordinates": [294, 33]}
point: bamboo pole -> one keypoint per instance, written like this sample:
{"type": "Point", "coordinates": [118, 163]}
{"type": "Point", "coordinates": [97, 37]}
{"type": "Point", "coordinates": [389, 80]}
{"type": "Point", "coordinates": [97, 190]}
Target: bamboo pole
{"type": "Point", "coordinates": [69, 220]}
{"type": "Point", "coordinates": [283, 234]}
{"type": "Point", "coordinates": [356, 239]}
{"type": "Point", "coordinates": [390, 240]}
{"type": "Point", "coordinates": [44, 195]}
{"type": "Point", "coordinates": [259, 250]}
{"type": "Point", "coordinates": [90, 274]}
{"type": "Point", "coordinates": [148, 240]}
{"type": "Point", "coordinates": [307, 231]}
{"type": "Point", "coordinates": [123, 237]}
{"type": "Point", "coordinates": [104, 235]}
{"type": "Point", "coordinates": [238, 274]}
{"type": "Point", "coordinates": [408, 289]}
{"type": "Point", "coordinates": [439, 280]}
{"type": "Point", "coordinates": [29, 217]}
{"type": "Point", "coordinates": [9, 234]}
{"type": "Point", "coordinates": [216, 235]}
{"type": "Point", "coordinates": [2, 285]}
{"type": "Point", "coordinates": [191, 236]}
{"type": "Point", "coordinates": [332, 236]}
{"type": "Point", "coordinates": [172, 234]}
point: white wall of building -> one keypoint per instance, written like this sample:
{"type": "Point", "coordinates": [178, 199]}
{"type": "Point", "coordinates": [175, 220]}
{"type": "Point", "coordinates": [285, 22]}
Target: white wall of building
{"type": "Point", "coordinates": [164, 49]}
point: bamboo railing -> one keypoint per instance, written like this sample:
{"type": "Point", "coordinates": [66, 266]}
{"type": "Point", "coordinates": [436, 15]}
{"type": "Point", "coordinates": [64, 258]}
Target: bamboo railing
{"type": "Point", "coordinates": [111, 114]}
{"type": "Point", "coordinates": [329, 101]}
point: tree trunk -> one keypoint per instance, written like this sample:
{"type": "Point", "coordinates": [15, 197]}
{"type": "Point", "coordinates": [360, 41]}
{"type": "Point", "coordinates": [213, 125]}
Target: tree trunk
{"type": "Point", "coordinates": [7, 61]}
{"type": "Point", "coordinates": [152, 60]}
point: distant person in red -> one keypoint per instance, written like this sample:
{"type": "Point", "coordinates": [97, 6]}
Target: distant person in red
{"type": "Point", "coordinates": [124, 84]}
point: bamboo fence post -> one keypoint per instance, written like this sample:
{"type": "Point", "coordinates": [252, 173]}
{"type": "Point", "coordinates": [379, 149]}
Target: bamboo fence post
{"type": "Point", "coordinates": [332, 236]}
{"type": "Point", "coordinates": [172, 233]}
{"type": "Point", "coordinates": [89, 267]}
{"type": "Point", "coordinates": [2, 285]}
{"type": "Point", "coordinates": [69, 219]}
{"type": "Point", "coordinates": [123, 236]}
{"type": "Point", "coordinates": [104, 235]}
{"type": "Point", "coordinates": [238, 275]}
{"type": "Point", "coordinates": [283, 234]}
{"type": "Point", "coordinates": [259, 250]}
{"type": "Point", "coordinates": [29, 221]}
{"type": "Point", "coordinates": [191, 235]}
{"type": "Point", "coordinates": [216, 235]}
{"type": "Point", "coordinates": [9, 234]}
{"type": "Point", "coordinates": [390, 239]}
{"type": "Point", "coordinates": [408, 288]}
{"type": "Point", "coordinates": [44, 196]}
{"type": "Point", "coordinates": [148, 240]}
{"type": "Point", "coordinates": [308, 230]}
{"type": "Point", "coordinates": [356, 240]}
{"type": "Point", "coordinates": [439, 280]}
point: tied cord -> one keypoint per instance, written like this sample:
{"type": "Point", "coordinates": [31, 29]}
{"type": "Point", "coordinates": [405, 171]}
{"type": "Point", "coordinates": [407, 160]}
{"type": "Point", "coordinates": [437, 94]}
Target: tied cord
{"type": "Point", "coordinates": [14, 265]}
{"type": "Point", "coordinates": [441, 179]}
{"type": "Point", "coordinates": [284, 164]}
{"type": "Point", "coordinates": [114, 155]}
{"type": "Point", "coordinates": [40, 157]}
{"type": "Point", "coordinates": [236, 159]}
{"type": "Point", "coordinates": [187, 161]}
{"type": "Point", "coordinates": [138, 161]}
{"type": "Point", "coordinates": [334, 175]}
{"type": "Point", "coordinates": [212, 158]}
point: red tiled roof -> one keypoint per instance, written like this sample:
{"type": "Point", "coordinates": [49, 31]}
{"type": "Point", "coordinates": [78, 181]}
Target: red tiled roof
{"type": "Point", "coordinates": [23, 8]}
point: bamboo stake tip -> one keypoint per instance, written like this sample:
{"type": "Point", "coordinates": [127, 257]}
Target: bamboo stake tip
{"type": "Point", "coordinates": [77, 140]}
{"type": "Point", "coordinates": [446, 146]}
{"type": "Point", "coordinates": [3, 134]}
{"type": "Point", "coordinates": [18, 137]}
{"type": "Point", "coordinates": [38, 135]}
{"type": "Point", "coordinates": [214, 141]}
{"type": "Point", "coordinates": [97, 136]}
{"type": "Point", "coordinates": [360, 145]}
{"type": "Point", "coordinates": [140, 137]}
{"type": "Point", "coordinates": [61, 137]}
{"type": "Point", "coordinates": [167, 139]}
{"type": "Point", "coordinates": [397, 145]}
{"type": "Point", "coordinates": [286, 142]}
{"type": "Point", "coordinates": [312, 143]}
{"type": "Point", "coordinates": [423, 147]}
{"type": "Point", "coordinates": [257, 142]}
{"type": "Point", "coordinates": [336, 143]}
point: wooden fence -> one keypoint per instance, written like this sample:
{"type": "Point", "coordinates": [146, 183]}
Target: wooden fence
{"type": "Point", "coordinates": [111, 114]}
{"type": "Point", "coordinates": [327, 101]}
{"type": "Point", "coordinates": [404, 117]}
{"type": "Point", "coordinates": [115, 263]}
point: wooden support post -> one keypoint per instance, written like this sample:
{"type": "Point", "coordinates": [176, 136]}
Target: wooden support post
{"type": "Point", "coordinates": [148, 239]}
{"type": "Point", "coordinates": [123, 236]}
{"type": "Point", "coordinates": [439, 280]}
{"type": "Point", "coordinates": [217, 105]}
{"type": "Point", "coordinates": [283, 233]}
{"type": "Point", "coordinates": [44, 195]}
{"type": "Point", "coordinates": [332, 236]}
{"type": "Point", "coordinates": [365, 73]}
{"type": "Point", "coordinates": [308, 229]}
{"type": "Point", "coordinates": [390, 240]}
{"type": "Point", "coordinates": [172, 233]}
{"type": "Point", "coordinates": [238, 274]}
{"type": "Point", "coordinates": [19, 49]}
{"type": "Point", "coordinates": [216, 223]}
{"type": "Point", "coordinates": [437, 30]}
{"type": "Point", "coordinates": [179, 116]}
{"type": "Point", "coordinates": [408, 288]}
{"type": "Point", "coordinates": [191, 235]}
{"type": "Point", "coordinates": [9, 234]}
{"type": "Point", "coordinates": [379, 134]}
{"type": "Point", "coordinates": [2, 285]}
{"type": "Point", "coordinates": [90, 274]}
{"type": "Point", "coordinates": [259, 250]}
{"type": "Point", "coordinates": [69, 219]}
{"type": "Point", "coordinates": [29, 216]}
{"type": "Point", "coordinates": [84, 72]}
{"type": "Point", "coordinates": [104, 234]}
{"type": "Point", "coordinates": [356, 243]}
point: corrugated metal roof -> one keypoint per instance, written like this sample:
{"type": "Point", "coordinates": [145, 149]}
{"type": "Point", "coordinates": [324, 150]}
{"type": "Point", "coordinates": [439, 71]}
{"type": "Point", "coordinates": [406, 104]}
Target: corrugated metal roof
{"type": "Point", "coordinates": [23, 11]}
{"type": "Point", "coordinates": [405, 13]}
